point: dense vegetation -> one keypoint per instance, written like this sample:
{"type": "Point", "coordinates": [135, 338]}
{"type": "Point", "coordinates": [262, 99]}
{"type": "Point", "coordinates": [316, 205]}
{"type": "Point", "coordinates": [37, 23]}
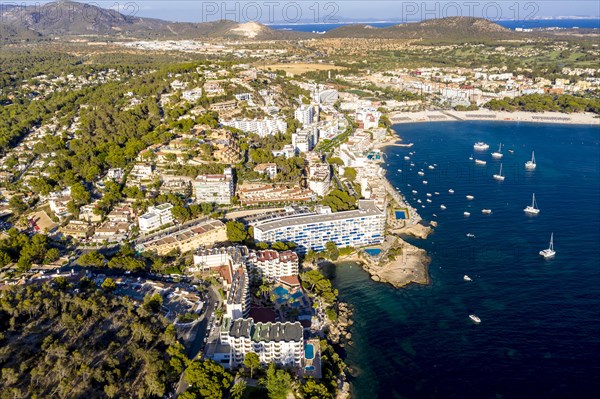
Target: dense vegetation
{"type": "Point", "coordinates": [546, 102]}
{"type": "Point", "coordinates": [60, 342]}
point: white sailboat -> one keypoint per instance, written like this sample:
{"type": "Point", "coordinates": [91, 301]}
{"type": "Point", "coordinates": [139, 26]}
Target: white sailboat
{"type": "Point", "coordinates": [531, 163]}
{"type": "Point", "coordinates": [499, 175]}
{"type": "Point", "coordinates": [475, 319]}
{"type": "Point", "coordinates": [481, 146]}
{"type": "Point", "coordinates": [532, 209]}
{"type": "Point", "coordinates": [467, 278]}
{"type": "Point", "coordinates": [549, 252]}
{"type": "Point", "coordinates": [498, 154]}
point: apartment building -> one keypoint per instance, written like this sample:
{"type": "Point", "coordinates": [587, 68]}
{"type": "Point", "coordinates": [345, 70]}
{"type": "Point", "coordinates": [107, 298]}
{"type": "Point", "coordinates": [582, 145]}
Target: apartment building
{"type": "Point", "coordinates": [237, 304]}
{"type": "Point", "coordinates": [364, 226]}
{"type": "Point", "coordinates": [319, 178]}
{"type": "Point", "coordinates": [156, 217]}
{"type": "Point", "coordinates": [214, 188]}
{"type": "Point", "coordinates": [279, 343]}
{"type": "Point", "coordinates": [272, 265]}
{"type": "Point", "coordinates": [305, 114]}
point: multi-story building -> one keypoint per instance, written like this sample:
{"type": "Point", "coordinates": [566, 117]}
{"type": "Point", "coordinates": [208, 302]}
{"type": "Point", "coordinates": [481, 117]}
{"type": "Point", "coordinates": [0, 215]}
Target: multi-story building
{"type": "Point", "coordinates": [156, 217]}
{"type": "Point", "coordinates": [368, 117]}
{"type": "Point", "coordinates": [214, 188]}
{"type": "Point", "coordinates": [262, 127]}
{"type": "Point", "coordinates": [306, 139]}
{"type": "Point", "coordinates": [279, 343]}
{"type": "Point", "coordinates": [305, 114]}
{"type": "Point", "coordinates": [364, 226]}
{"type": "Point", "coordinates": [237, 304]}
{"type": "Point", "coordinates": [319, 178]}
{"type": "Point", "coordinates": [271, 264]}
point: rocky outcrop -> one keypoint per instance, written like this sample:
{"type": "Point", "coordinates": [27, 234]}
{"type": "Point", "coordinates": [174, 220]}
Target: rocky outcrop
{"type": "Point", "coordinates": [415, 230]}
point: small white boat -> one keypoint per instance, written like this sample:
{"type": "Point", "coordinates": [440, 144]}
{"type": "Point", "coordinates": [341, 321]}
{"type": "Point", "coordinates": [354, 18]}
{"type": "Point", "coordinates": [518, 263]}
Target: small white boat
{"type": "Point", "coordinates": [411, 153]}
{"type": "Point", "coordinates": [429, 194]}
{"type": "Point", "coordinates": [511, 151]}
{"type": "Point", "coordinates": [499, 176]}
{"type": "Point", "coordinates": [532, 209]}
{"type": "Point", "coordinates": [419, 201]}
{"type": "Point", "coordinates": [399, 170]}
{"type": "Point", "coordinates": [498, 154]}
{"type": "Point", "coordinates": [475, 319]}
{"type": "Point", "coordinates": [467, 278]}
{"type": "Point", "coordinates": [530, 165]}
{"type": "Point", "coordinates": [481, 146]}
{"type": "Point", "coordinates": [408, 184]}
{"type": "Point", "coordinates": [428, 200]}
{"type": "Point", "coordinates": [414, 191]}
{"type": "Point", "coordinates": [422, 206]}
{"type": "Point", "coordinates": [431, 167]}
{"type": "Point", "coordinates": [442, 206]}
{"type": "Point", "coordinates": [407, 157]}
{"type": "Point", "coordinates": [470, 197]}
{"type": "Point", "coordinates": [467, 213]}
{"type": "Point", "coordinates": [486, 211]}
{"type": "Point", "coordinates": [471, 157]}
{"type": "Point", "coordinates": [424, 181]}
{"type": "Point", "coordinates": [470, 235]}
{"type": "Point", "coordinates": [412, 164]}
{"type": "Point", "coordinates": [549, 252]}
{"type": "Point", "coordinates": [436, 193]}
{"type": "Point", "coordinates": [421, 173]}
{"type": "Point", "coordinates": [480, 162]}
{"type": "Point", "coordinates": [451, 191]}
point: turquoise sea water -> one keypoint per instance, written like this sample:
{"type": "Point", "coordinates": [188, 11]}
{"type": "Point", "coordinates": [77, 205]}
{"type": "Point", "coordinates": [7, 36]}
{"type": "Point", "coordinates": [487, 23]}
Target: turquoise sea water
{"type": "Point", "coordinates": [540, 331]}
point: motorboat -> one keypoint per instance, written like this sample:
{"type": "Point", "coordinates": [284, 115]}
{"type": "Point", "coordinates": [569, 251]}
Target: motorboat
{"type": "Point", "coordinates": [407, 157]}
{"type": "Point", "coordinates": [499, 176]}
{"type": "Point", "coordinates": [486, 211]}
{"type": "Point", "coordinates": [530, 165]}
{"type": "Point", "coordinates": [431, 167]}
{"type": "Point", "coordinates": [511, 151]}
{"type": "Point", "coordinates": [470, 197]}
{"type": "Point", "coordinates": [467, 278]}
{"type": "Point", "coordinates": [429, 195]}
{"type": "Point", "coordinates": [481, 146]}
{"type": "Point", "coordinates": [421, 173]}
{"type": "Point", "coordinates": [419, 201]}
{"type": "Point", "coordinates": [451, 191]}
{"type": "Point", "coordinates": [549, 252]}
{"type": "Point", "coordinates": [532, 209]}
{"type": "Point", "coordinates": [424, 181]}
{"type": "Point", "coordinates": [471, 157]}
{"type": "Point", "coordinates": [436, 193]}
{"type": "Point", "coordinates": [414, 191]}
{"type": "Point", "coordinates": [467, 213]}
{"type": "Point", "coordinates": [442, 207]}
{"type": "Point", "coordinates": [470, 235]}
{"type": "Point", "coordinates": [475, 319]}
{"type": "Point", "coordinates": [480, 162]}
{"type": "Point", "coordinates": [428, 200]}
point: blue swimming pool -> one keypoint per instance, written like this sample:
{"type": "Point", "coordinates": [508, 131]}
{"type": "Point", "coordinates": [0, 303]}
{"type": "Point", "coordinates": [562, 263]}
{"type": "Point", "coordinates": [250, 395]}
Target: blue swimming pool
{"type": "Point", "coordinates": [280, 291]}
{"type": "Point", "coordinates": [309, 351]}
{"type": "Point", "coordinates": [373, 251]}
{"type": "Point", "coordinates": [309, 368]}
{"type": "Point", "coordinates": [401, 215]}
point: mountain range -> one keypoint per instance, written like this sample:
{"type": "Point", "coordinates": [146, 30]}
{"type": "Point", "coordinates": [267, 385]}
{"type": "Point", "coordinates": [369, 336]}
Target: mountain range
{"type": "Point", "coordinates": [66, 18]}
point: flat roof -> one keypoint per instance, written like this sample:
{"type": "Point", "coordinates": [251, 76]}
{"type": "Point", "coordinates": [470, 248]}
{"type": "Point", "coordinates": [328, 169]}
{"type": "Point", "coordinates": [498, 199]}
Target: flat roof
{"type": "Point", "coordinates": [366, 208]}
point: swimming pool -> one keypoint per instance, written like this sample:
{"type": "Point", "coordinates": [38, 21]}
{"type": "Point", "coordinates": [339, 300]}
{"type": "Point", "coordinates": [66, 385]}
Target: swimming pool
{"type": "Point", "coordinates": [309, 368]}
{"type": "Point", "coordinates": [280, 291]}
{"type": "Point", "coordinates": [309, 351]}
{"type": "Point", "coordinates": [401, 214]}
{"type": "Point", "coordinates": [373, 251]}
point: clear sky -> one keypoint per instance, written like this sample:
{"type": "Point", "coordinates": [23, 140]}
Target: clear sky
{"type": "Point", "coordinates": [318, 11]}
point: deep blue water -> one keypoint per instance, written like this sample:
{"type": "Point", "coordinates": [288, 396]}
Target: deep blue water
{"type": "Point", "coordinates": [540, 330]}
{"type": "Point", "coordinates": [510, 24]}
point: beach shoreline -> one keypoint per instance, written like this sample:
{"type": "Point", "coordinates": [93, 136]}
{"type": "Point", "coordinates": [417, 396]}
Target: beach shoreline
{"type": "Point", "coordinates": [499, 116]}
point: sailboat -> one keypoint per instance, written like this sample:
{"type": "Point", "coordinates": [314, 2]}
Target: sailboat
{"type": "Point", "coordinates": [498, 154]}
{"type": "Point", "coordinates": [549, 252]}
{"type": "Point", "coordinates": [499, 175]}
{"type": "Point", "coordinates": [531, 164]}
{"type": "Point", "coordinates": [532, 209]}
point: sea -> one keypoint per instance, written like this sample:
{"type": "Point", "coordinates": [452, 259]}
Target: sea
{"type": "Point", "coordinates": [510, 24]}
{"type": "Point", "coordinates": [539, 335]}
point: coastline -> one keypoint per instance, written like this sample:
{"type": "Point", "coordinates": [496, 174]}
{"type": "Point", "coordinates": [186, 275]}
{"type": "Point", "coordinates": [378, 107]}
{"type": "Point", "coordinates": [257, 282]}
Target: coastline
{"type": "Point", "coordinates": [500, 116]}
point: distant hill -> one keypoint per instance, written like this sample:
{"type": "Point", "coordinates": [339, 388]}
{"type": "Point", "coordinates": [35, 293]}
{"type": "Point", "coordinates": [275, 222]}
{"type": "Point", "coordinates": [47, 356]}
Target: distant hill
{"type": "Point", "coordinates": [66, 18]}
{"type": "Point", "coordinates": [451, 28]}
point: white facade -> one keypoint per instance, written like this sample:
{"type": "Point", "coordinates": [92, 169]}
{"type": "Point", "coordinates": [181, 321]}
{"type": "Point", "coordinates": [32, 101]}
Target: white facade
{"type": "Point", "coordinates": [156, 217]}
{"type": "Point", "coordinates": [271, 264]}
{"type": "Point", "coordinates": [214, 188]}
{"type": "Point", "coordinates": [305, 114]}
{"type": "Point", "coordinates": [364, 226]}
{"type": "Point", "coordinates": [306, 139]}
{"type": "Point", "coordinates": [279, 343]}
{"type": "Point", "coordinates": [319, 178]}
{"type": "Point", "coordinates": [262, 127]}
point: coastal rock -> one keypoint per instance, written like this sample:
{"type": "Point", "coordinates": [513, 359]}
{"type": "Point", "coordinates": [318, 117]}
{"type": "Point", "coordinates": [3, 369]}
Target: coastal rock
{"type": "Point", "coordinates": [433, 223]}
{"type": "Point", "coordinates": [408, 267]}
{"type": "Point", "coordinates": [416, 230]}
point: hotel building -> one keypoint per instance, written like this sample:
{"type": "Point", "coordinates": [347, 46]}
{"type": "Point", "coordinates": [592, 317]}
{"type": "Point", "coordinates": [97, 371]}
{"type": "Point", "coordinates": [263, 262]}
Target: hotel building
{"type": "Point", "coordinates": [156, 217]}
{"type": "Point", "coordinates": [279, 343]}
{"type": "Point", "coordinates": [272, 264]}
{"type": "Point", "coordinates": [364, 226]}
{"type": "Point", "coordinates": [214, 188]}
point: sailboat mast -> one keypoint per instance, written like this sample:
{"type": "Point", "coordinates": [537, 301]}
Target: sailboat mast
{"type": "Point", "coordinates": [552, 242]}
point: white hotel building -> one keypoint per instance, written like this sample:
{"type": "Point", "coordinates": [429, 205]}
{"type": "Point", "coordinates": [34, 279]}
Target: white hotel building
{"type": "Point", "coordinates": [156, 217]}
{"type": "Point", "coordinates": [279, 343]}
{"type": "Point", "coordinates": [272, 264]}
{"type": "Point", "coordinates": [214, 188]}
{"type": "Point", "coordinates": [364, 226]}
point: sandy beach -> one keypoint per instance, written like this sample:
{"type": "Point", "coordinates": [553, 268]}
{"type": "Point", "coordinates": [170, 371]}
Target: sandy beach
{"type": "Point", "coordinates": [486, 115]}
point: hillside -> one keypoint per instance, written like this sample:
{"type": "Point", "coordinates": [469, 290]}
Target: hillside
{"type": "Point", "coordinates": [452, 28]}
{"type": "Point", "coordinates": [56, 342]}
{"type": "Point", "coordinates": [65, 18]}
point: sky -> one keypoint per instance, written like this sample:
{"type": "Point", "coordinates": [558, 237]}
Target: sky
{"type": "Point", "coordinates": [327, 11]}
